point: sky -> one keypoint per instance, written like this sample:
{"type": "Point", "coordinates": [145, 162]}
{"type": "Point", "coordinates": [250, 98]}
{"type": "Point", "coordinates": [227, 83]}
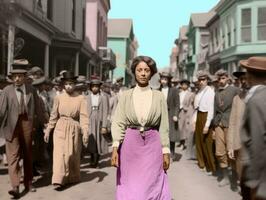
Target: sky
{"type": "Point", "coordinates": [156, 23]}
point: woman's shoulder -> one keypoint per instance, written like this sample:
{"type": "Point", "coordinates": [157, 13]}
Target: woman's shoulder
{"type": "Point", "coordinates": [158, 93]}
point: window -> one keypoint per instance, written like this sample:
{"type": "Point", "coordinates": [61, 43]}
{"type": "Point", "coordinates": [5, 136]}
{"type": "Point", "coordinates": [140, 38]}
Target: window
{"type": "Point", "coordinates": [84, 24]}
{"type": "Point", "coordinates": [228, 23]}
{"type": "Point", "coordinates": [73, 15]}
{"type": "Point", "coordinates": [50, 9]}
{"type": "Point", "coordinates": [262, 23]}
{"type": "Point", "coordinates": [246, 25]}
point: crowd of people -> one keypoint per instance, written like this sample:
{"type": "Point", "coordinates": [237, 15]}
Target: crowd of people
{"type": "Point", "coordinates": [217, 120]}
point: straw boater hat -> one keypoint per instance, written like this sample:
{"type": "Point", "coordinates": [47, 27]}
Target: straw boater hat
{"type": "Point", "coordinates": [256, 64]}
{"type": "Point", "coordinates": [165, 74]}
{"type": "Point", "coordinates": [20, 66]}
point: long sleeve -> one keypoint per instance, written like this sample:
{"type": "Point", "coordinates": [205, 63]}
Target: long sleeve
{"type": "Point", "coordinates": [119, 122]}
{"type": "Point", "coordinates": [232, 126]}
{"type": "Point", "coordinates": [3, 106]}
{"type": "Point", "coordinates": [54, 114]}
{"type": "Point", "coordinates": [84, 117]}
{"type": "Point", "coordinates": [210, 107]}
{"type": "Point", "coordinates": [105, 110]}
{"type": "Point", "coordinates": [164, 126]}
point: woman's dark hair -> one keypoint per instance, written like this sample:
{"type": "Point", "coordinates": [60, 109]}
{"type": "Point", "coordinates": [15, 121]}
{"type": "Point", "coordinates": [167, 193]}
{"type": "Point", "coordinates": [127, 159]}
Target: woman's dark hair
{"type": "Point", "coordinates": [148, 60]}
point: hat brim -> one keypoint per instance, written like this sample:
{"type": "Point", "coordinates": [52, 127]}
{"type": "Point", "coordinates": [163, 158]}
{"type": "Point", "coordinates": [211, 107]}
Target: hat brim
{"type": "Point", "coordinates": [238, 74]}
{"type": "Point", "coordinates": [70, 79]}
{"type": "Point", "coordinates": [244, 64]}
{"type": "Point", "coordinates": [18, 71]}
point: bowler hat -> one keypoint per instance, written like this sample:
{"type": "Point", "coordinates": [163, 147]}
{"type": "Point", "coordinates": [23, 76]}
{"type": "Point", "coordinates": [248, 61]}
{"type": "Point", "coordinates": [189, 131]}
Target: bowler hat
{"type": "Point", "coordinates": [257, 64]}
{"type": "Point", "coordinates": [237, 74]}
{"type": "Point", "coordinates": [185, 81]}
{"type": "Point", "coordinates": [69, 76]}
{"type": "Point", "coordinates": [20, 66]}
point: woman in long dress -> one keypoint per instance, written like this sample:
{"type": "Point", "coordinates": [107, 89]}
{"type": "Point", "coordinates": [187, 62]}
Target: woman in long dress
{"type": "Point", "coordinates": [69, 119]}
{"type": "Point", "coordinates": [140, 131]}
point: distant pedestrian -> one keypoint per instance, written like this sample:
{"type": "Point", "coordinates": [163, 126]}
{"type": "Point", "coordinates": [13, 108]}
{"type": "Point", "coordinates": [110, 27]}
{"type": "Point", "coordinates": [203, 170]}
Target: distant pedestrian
{"type": "Point", "coordinates": [222, 105]}
{"type": "Point", "coordinates": [173, 104]}
{"type": "Point", "coordinates": [69, 119]}
{"type": "Point", "coordinates": [254, 129]}
{"type": "Point", "coordinates": [185, 116]}
{"type": "Point", "coordinates": [140, 132]}
{"type": "Point", "coordinates": [203, 115]}
{"type": "Point", "coordinates": [19, 105]}
{"type": "Point", "coordinates": [98, 117]}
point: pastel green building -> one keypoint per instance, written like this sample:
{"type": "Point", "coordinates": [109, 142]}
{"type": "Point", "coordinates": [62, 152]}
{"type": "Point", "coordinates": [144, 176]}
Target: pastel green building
{"type": "Point", "coordinates": [242, 31]}
{"type": "Point", "coordinates": [121, 40]}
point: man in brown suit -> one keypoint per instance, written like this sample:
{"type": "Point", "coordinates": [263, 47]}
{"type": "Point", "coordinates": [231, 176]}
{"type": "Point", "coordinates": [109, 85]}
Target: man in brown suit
{"type": "Point", "coordinates": [18, 107]}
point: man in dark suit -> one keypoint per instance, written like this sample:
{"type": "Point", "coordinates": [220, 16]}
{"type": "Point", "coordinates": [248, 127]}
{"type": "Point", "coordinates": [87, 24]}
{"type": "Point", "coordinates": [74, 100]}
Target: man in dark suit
{"type": "Point", "coordinates": [19, 106]}
{"type": "Point", "coordinates": [254, 129]}
{"type": "Point", "coordinates": [173, 103]}
{"type": "Point", "coordinates": [222, 108]}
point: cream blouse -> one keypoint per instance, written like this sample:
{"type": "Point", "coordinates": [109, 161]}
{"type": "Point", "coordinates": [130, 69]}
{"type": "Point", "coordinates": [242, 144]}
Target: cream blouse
{"type": "Point", "coordinates": [128, 112]}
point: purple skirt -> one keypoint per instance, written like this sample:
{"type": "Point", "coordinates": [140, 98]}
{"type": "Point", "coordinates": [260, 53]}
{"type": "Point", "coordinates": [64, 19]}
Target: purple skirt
{"type": "Point", "coordinates": [140, 175]}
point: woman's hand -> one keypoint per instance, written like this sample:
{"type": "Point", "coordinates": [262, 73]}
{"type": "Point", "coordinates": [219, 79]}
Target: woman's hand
{"type": "Point", "coordinates": [115, 157]}
{"type": "Point", "coordinates": [46, 136]}
{"type": "Point", "coordinates": [166, 161]}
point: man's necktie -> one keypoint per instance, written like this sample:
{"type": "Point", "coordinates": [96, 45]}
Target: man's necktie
{"type": "Point", "coordinates": [22, 105]}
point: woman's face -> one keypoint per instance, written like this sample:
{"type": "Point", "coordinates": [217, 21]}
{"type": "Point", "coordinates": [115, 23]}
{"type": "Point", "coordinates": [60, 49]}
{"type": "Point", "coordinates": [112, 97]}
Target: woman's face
{"type": "Point", "coordinates": [142, 74]}
{"type": "Point", "coordinates": [69, 86]}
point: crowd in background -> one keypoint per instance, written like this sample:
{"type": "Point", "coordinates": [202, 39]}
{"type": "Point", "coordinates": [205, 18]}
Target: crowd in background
{"type": "Point", "coordinates": [218, 120]}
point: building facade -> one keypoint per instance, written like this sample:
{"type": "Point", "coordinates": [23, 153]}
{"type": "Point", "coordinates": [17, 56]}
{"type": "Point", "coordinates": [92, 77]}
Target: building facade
{"type": "Point", "coordinates": [51, 35]}
{"type": "Point", "coordinates": [182, 43]}
{"type": "Point", "coordinates": [198, 39]}
{"type": "Point", "coordinates": [122, 41]}
{"type": "Point", "coordinates": [242, 31]}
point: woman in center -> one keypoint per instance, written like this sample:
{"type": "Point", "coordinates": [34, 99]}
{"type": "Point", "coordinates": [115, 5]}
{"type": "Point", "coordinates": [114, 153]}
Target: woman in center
{"type": "Point", "coordinates": [140, 131]}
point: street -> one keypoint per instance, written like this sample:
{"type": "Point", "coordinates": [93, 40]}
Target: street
{"type": "Point", "coordinates": [187, 182]}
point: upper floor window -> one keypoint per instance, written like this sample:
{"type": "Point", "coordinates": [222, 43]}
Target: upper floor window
{"type": "Point", "coordinates": [228, 23]}
{"type": "Point", "coordinates": [262, 23]}
{"type": "Point", "coordinates": [73, 15]}
{"type": "Point", "coordinates": [246, 25]}
{"type": "Point", "coordinates": [45, 7]}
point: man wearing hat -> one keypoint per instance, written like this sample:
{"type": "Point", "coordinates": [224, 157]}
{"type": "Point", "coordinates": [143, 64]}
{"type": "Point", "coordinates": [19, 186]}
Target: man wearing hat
{"type": "Point", "coordinates": [202, 117]}
{"type": "Point", "coordinates": [233, 142]}
{"type": "Point", "coordinates": [185, 115]}
{"type": "Point", "coordinates": [19, 106]}
{"type": "Point", "coordinates": [98, 113]}
{"type": "Point", "coordinates": [222, 105]}
{"type": "Point", "coordinates": [36, 72]}
{"type": "Point", "coordinates": [173, 102]}
{"type": "Point", "coordinates": [253, 134]}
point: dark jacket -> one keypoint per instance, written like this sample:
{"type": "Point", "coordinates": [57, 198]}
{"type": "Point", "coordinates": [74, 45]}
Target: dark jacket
{"type": "Point", "coordinates": [253, 138]}
{"type": "Point", "coordinates": [222, 105]}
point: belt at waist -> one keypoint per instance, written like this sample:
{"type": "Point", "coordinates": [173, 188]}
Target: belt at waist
{"type": "Point", "coordinates": [95, 107]}
{"type": "Point", "coordinates": [69, 118]}
{"type": "Point", "coordinates": [143, 128]}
